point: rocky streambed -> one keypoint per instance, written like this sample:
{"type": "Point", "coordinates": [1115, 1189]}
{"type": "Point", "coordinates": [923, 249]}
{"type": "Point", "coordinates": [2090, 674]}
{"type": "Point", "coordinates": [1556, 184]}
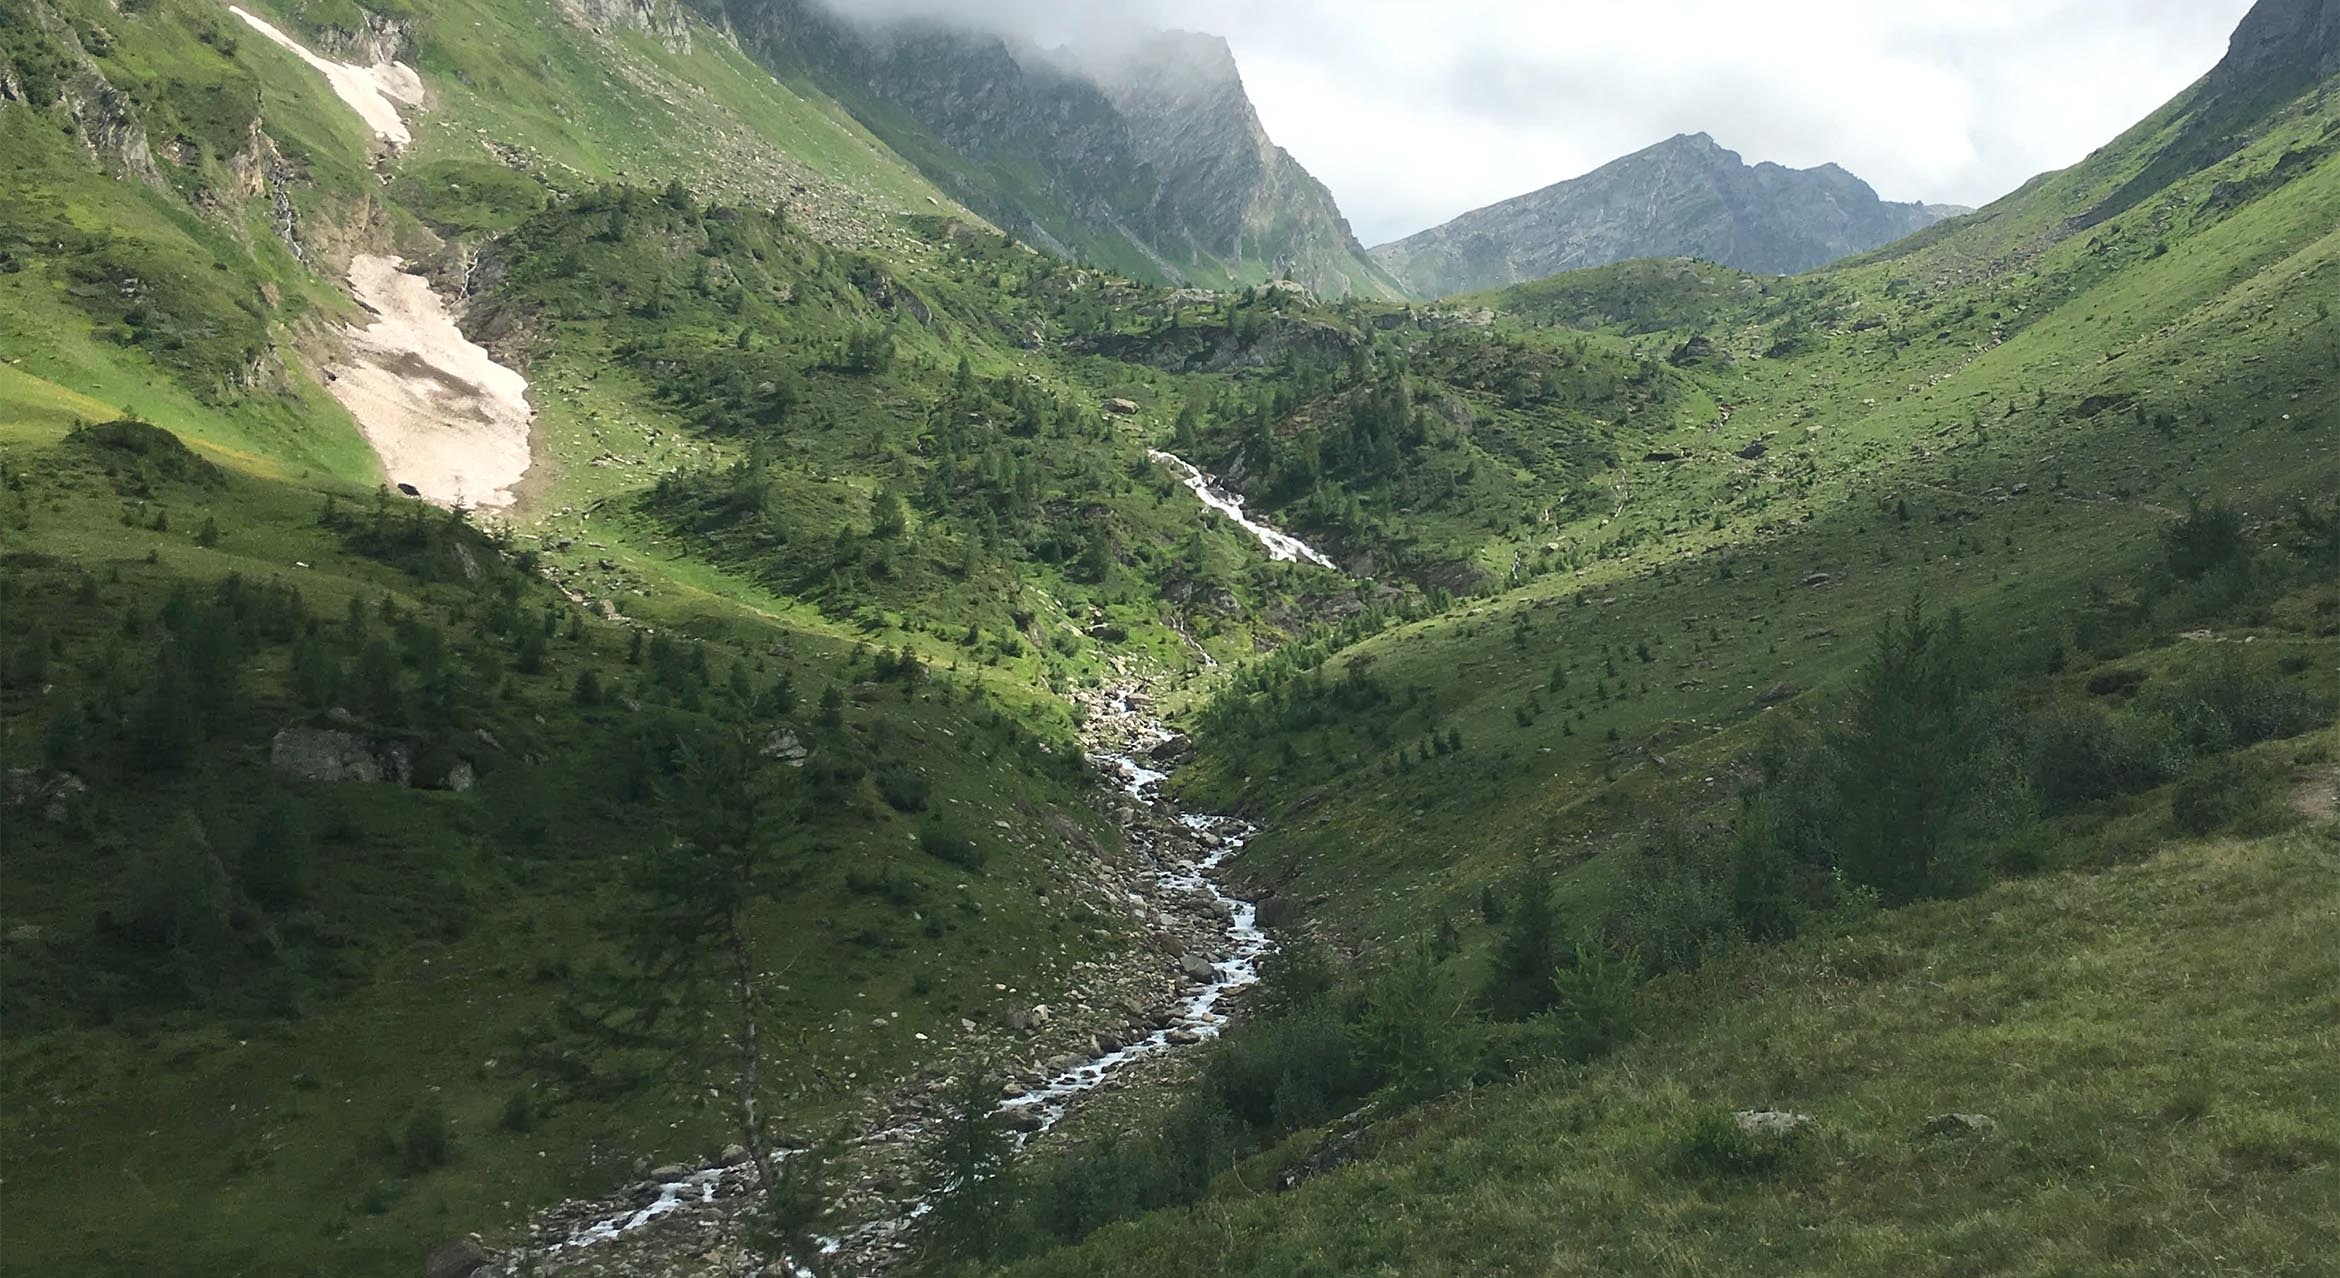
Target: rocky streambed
{"type": "Point", "coordinates": [1120, 1029]}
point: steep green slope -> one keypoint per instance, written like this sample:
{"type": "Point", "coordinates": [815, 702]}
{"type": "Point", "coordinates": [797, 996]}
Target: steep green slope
{"type": "Point", "coordinates": [1718, 771]}
{"type": "Point", "coordinates": [254, 998]}
{"type": "Point", "coordinates": [2148, 1100]}
{"type": "Point", "coordinates": [2000, 416]}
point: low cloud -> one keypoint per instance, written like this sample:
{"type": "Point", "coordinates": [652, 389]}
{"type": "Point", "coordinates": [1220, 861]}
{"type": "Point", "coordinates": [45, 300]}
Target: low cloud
{"type": "Point", "coordinates": [1413, 114]}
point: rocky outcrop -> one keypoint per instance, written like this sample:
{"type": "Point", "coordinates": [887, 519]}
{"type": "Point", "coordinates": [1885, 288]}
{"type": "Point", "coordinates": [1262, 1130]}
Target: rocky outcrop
{"type": "Point", "coordinates": [376, 39]}
{"type": "Point", "coordinates": [1227, 194]}
{"type": "Point", "coordinates": [1684, 197]}
{"type": "Point", "coordinates": [338, 754]}
{"type": "Point", "coordinates": [2283, 46]}
{"type": "Point", "coordinates": [342, 751]}
{"type": "Point", "coordinates": [460, 1259]}
{"type": "Point", "coordinates": [48, 791]}
{"type": "Point", "coordinates": [661, 20]}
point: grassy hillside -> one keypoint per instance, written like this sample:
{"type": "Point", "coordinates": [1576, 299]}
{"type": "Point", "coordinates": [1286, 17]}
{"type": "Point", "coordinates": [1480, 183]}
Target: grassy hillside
{"type": "Point", "coordinates": [1835, 761]}
{"type": "Point", "coordinates": [2003, 432]}
{"type": "Point", "coordinates": [2149, 1096]}
{"type": "Point", "coordinates": [820, 456]}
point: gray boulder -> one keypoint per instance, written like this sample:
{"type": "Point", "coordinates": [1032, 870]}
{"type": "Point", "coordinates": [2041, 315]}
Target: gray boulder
{"type": "Point", "coordinates": [333, 754]}
{"type": "Point", "coordinates": [1959, 1125]}
{"type": "Point", "coordinates": [1771, 1122]}
{"type": "Point", "coordinates": [459, 1259]}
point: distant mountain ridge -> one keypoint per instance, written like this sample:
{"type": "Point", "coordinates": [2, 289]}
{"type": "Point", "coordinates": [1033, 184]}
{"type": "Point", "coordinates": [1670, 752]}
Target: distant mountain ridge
{"type": "Point", "coordinates": [1684, 197]}
{"type": "Point", "coordinates": [1145, 156]}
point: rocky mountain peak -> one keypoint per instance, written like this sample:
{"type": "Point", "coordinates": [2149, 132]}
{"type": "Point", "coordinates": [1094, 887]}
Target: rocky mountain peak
{"type": "Point", "coordinates": [1688, 196]}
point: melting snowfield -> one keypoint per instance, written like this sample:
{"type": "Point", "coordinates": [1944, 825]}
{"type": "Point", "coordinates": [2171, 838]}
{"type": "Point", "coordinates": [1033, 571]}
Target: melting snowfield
{"type": "Point", "coordinates": [441, 413]}
{"type": "Point", "coordinates": [1280, 545]}
{"type": "Point", "coordinates": [374, 92]}
{"type": "Point", "coordinates": [446, 419]}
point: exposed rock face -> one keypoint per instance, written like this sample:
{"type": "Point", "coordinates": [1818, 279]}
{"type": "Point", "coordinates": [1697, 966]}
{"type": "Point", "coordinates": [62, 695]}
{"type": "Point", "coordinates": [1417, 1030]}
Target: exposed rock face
{"type": "Point", "coordinates": [1145, 156]}
{"type": "Point", "coordinates": [661, 20]}
{"type": "Point", "coordinates": [2284, 46]}
{"type": "Point", "coordinates": [2281, 49]}
{"type": "Point", "coordinates": [1227, 193]}
{"type": "Point", "coordinates": [1684, 197]}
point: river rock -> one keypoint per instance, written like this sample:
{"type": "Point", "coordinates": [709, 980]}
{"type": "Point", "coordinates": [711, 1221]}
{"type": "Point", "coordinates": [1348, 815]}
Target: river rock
{"type": "Point", "coordinates": [670, 1172]}
{"type": "Point", "coordinates": [1196, 967]}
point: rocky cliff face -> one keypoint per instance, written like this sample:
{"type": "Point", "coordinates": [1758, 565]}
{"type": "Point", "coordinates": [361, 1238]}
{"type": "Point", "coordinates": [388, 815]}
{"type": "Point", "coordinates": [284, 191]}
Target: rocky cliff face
{"type": "Point", "coordinates": [1684, 197]}
{"type": "Point", "coordinates": [1145, 157]}
{"type": "Point", "coordinates": [1226, 193]}
{"type": "Point", "coordinates": [2284, 46]}
{"type": "Point", "coordinates": [2281, 49]}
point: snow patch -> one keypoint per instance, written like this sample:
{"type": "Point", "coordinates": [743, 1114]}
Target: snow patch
{"type": "Point", "coordinates": [441, 413]}
{"type": "Point", "coordinates": [374, 92]}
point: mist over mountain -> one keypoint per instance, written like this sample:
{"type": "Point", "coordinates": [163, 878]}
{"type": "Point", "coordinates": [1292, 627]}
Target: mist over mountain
{"type": "Point", "coordinates": [1124, 145]}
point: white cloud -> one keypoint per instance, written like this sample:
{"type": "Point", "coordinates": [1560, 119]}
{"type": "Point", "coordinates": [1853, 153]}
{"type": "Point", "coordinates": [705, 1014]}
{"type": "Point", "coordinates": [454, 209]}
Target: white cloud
{"type": "Point", "coordinates": [1413, 112]}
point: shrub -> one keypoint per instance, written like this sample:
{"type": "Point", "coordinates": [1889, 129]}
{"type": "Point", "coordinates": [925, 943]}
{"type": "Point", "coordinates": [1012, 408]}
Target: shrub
{"type": "Point", "coordinates": [1593, 998]}
{"type": "Point", "coordinates": [2222, 793]}
{"type": "Point", "coordinates": [2208, 537]}
{"type": "Point", "coordinates": [952, 848]}
{"type": "Point", "coordinates": [1286, 1074]}
{"type": "Point", "coordinates": [428, 1143]}
{"type": "Point", "coordinates": [890, 882]}
{"type": "Point", "coordinates": [1672, 905]}
{"type": "Point", "coordinates": [905, 789]}
{"type": "Point", "coordinates": [2222, 703]}
{"type": "Point", "coordinates": [2079, 752]}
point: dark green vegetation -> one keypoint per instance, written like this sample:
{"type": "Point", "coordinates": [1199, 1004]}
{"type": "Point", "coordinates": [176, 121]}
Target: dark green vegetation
{"type": "Point", "coordinates": [1811, 694]}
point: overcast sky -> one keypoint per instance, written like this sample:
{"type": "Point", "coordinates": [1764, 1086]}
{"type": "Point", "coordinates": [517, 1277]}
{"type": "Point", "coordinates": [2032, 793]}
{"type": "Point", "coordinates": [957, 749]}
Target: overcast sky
{"type": "Point", "coordinates": [1415, 110]}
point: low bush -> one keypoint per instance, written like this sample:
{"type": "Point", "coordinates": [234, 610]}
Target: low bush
{"type": "Point", "coordinates": [952, 848]}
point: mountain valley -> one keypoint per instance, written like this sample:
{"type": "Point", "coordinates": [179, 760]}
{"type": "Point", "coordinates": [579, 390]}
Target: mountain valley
{"type": "Point", "coordinates": [713, 638]}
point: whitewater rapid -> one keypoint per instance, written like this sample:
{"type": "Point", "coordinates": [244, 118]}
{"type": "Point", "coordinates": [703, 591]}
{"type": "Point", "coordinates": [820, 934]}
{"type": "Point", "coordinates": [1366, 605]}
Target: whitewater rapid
{"type": "Point", "coordinates": [1280, 545]}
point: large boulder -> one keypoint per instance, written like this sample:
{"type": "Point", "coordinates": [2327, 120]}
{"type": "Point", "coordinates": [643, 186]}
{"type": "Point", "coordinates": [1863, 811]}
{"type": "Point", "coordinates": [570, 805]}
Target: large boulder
{"type": "Point", "coordinates": [47, 789]}
{"type": "Point", "coordinates": [335, 754]}
{"type": "Point", "coordinates": [459, 1259]}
